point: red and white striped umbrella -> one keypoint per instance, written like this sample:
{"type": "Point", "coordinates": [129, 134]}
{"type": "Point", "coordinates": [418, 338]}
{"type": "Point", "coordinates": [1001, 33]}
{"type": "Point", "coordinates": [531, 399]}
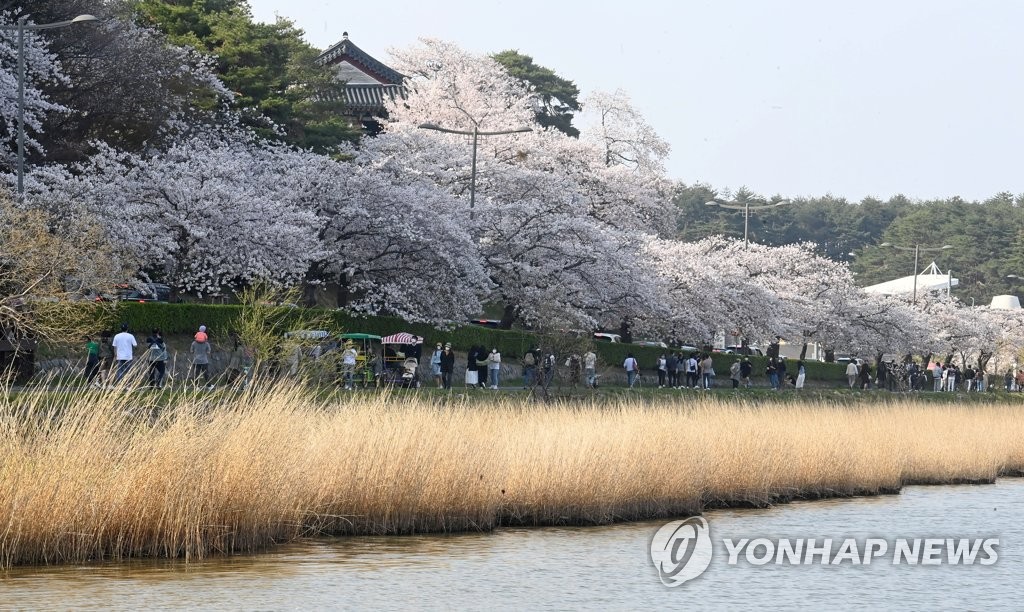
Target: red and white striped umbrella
{"type": "Point", "coordinates": [401, 338]}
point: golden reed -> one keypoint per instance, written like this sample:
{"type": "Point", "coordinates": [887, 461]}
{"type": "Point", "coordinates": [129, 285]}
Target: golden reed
{"type": "Point", "coordinates": [113, 475]}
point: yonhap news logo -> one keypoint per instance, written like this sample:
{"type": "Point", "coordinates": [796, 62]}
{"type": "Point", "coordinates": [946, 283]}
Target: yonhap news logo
{"type": "Point", "coordinates": [682, 550]}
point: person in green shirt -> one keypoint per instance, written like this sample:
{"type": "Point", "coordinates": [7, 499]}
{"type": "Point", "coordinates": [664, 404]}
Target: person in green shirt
{"type": "Point", "coordinates": [92, 363]}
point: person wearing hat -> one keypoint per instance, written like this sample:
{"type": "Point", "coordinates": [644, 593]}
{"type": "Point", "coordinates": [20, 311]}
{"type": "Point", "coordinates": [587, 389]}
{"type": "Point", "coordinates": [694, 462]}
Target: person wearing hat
{"type": "Point", "coordinates": [124, 345]}
{"type": "Point", "coordinates": [435, 365]}
{"type": "Point", "coordinates": [447, 365]}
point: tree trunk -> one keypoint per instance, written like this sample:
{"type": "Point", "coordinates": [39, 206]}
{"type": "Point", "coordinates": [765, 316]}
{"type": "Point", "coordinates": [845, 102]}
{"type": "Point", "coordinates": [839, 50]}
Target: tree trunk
{"type": "Point", "coordinates": [625, 331]}
{"type": "Point", "coordinates": [803, 352]}
{"type": "Point", "coordinates": [508, 316]}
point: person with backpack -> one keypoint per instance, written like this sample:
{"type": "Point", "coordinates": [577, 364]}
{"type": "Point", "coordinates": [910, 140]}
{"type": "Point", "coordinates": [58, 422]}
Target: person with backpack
{"type": "Point", "coordinates": [691, 371]}
{"type": "Point", "coordinates": [157, 357]}
{"type": "Point", "coordinates": [632, 369]}
{"type": "Point", "coordinates": [529, 368]}
{"type": "Point", "coordinates": [201, 351]}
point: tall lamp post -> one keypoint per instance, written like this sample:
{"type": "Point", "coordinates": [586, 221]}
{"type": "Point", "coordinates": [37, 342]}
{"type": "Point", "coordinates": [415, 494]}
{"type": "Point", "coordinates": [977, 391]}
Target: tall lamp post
{"type": "Point", "coordinates": [475, 134]}
{"type": "Point", "coordinates": [21, 28]}
{"type": "Point", "coordinates": [747, 209]}
{"type": "Point", "coordinates": [917, 248]}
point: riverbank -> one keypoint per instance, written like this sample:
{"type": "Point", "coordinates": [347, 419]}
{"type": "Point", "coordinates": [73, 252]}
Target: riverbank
{"type": "Point", "coordinates": [117, 475]}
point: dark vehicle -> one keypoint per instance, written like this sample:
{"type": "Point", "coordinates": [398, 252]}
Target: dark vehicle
{"type": "Point", "coordinates": [491, 323]}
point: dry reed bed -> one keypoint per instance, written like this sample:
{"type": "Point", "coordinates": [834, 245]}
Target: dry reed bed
{"type": "Point", "coordinates": [110, 475]}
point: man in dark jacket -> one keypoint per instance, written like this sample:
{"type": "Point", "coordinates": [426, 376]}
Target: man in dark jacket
{"type": "Point", "coordinates": [746, 369]}
{"type": "Point", "coordinates": [447, 366]}
{"type": "Point", "coordinates": [480, 363]}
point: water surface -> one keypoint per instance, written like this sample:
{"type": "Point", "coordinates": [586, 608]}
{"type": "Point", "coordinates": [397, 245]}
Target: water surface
{"type": "Point", "coordinates": [596, 567]}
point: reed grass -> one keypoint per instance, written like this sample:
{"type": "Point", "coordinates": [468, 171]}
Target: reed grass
{"type": "Point", "coordinates": [123, 474]}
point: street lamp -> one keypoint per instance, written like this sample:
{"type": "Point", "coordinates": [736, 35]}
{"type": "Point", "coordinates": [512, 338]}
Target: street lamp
{"type": "Point", "coordinates": [20, 28]}
{"type": "Point", "coordinates": [476, 134]}
{"type": "Point", "coordinates": [917, 250]}
{"type": "Point", "coordinates": [746, 208]}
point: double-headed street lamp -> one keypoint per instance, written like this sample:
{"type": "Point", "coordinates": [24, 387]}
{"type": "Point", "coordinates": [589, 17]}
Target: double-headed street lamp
{"type": "Point", "coordinates": [747, 209]}
{"type": "Point", "coordinates": [917, 250]}
{"type": "Point", "coordinates": [476, 134]}
{"type": "Point", "coordinates": [21, 28]}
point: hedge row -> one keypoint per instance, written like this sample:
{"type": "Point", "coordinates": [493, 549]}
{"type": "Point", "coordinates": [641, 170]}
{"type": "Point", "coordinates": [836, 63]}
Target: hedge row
{"type": "Point", "coordinates": [220, 319]}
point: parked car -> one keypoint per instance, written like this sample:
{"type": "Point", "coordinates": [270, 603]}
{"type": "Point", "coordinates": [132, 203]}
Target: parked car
{"type": "Point", "coordinates": [739, 350]}
{"type": "Point", "coordinates": [607, 337]}
{"type": "Point", "coordinates": [651, 343]}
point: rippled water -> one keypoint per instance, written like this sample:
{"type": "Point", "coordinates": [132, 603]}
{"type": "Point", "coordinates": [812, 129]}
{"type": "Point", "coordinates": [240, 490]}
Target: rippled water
{"type": "Point", "coordinates": [603, 567]}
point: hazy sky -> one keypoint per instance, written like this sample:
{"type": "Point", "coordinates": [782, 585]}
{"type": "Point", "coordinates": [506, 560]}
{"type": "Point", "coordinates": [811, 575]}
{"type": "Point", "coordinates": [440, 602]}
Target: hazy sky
{"type": "Point", "coordinates": [799, 97]}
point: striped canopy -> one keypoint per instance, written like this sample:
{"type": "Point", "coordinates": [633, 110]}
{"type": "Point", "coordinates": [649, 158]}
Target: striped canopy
{"type": "Point", "coordinates": [401, 338]}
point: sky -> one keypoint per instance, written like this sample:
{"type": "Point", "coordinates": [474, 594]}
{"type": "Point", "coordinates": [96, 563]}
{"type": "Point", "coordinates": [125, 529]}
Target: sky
{"type": "Point", "coordinates": [791, 97]}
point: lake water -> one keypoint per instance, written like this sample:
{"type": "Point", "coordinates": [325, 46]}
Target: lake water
{"type": "Point", "coordinates": [597, 567]}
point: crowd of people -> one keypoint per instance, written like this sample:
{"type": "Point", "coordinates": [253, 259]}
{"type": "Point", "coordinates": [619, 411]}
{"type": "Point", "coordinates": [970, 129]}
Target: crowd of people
{"type": "Point", "coordinates": [112, 357]}
{"type": "Point", "coordinates": [934, 375]}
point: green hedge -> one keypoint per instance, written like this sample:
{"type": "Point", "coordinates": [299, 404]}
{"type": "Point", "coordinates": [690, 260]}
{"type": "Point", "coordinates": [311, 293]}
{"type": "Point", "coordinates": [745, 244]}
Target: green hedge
{"type": "Point", "coordinates": [186, 318]}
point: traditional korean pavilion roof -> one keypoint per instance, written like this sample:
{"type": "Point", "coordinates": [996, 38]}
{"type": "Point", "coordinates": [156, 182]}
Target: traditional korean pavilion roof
{"type": "Point", "coordinates": [368, 82]}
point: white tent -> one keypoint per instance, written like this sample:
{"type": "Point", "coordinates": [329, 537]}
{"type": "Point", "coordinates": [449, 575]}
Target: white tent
{"type": "Point", "coordinates": [930, 279]}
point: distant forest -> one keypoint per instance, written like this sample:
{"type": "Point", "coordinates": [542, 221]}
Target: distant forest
{"type": "Point", "coordinates": [987, 237]}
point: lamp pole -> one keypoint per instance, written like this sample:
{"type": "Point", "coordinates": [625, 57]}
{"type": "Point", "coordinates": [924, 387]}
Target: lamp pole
{"type": "Point", "coordinates": [475, 134]}
{"type": "Point", "coordinates": [917, 248]}
{"type": "Point", "coordinates": [21, 28]}
{"type": "Point", "coordinates": [746, 208]}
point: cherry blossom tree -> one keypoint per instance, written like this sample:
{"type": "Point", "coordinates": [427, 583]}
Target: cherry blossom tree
{"type": "Point", "coordinates": [210, 213]}
{"type": "Point", "coordinates": [41, 67]}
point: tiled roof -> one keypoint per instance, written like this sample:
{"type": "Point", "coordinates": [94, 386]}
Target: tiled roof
{"type": "Point", "coordinates": [368, 98]}
{"type": "Point", "coordinates": [347, 50]}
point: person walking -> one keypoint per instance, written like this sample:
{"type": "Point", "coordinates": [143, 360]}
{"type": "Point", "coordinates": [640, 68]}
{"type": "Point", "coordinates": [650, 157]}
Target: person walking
{"type": "Point", "coordinates": [671, 370]}
{"type": "Point", "coordinates": [707, 372]}
{"type": "Point", "coordinates": [691, 371]}
{"type": "Point", "coordinates": [124, 348]}
{"type": "Point", "coordinates": [746, 369]}
{"type": "Point", "coordinates": [348, 365]}
{"type": "Point", "coordinates": [494, 368]}
{"type": "Point", "coordinates": [851, 373]}
{"type": "Point", "coordinates": [801, 374]}
{"type": "Point", "coordinates": [92, 359]}
{"type": "Point", "coordinates": [435, 364]}
{"type": "Point", "coordinates": [575, 365]}
{"type": "Point", "coordinates": [157, 356]}
{"type": "Point", "coordinates": [632, 369]}
{"type": "Point", "coordinates": [662, 371]}
{"type": "Point", "coordinates": [472, 376]}
{"type": "Point", "coordinates": [952, 373]}
{"type": "Point", "coordinates": [772, 371]}
{"type": "Point", "coordinates": [865, 375]}
{"type": "Point", "coordinates": [201, 351]}
{"type": "Point", "coordinates": [590, 368]}
{"type": "Point", "coordinates": [937, 376]}
{"type": "Point", "coordinates": [529, 368]}
{"type": "Point", "coordinates": [735, 374]}
{"type": "Point", "coordinates": [447, 366]}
